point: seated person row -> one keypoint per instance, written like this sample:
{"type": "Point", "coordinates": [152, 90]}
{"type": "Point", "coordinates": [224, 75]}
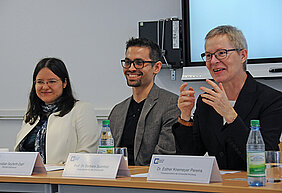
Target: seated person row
{"type": "Point", "coordinates": [221, 121]}
{"type": "Point", "coordinates": [55, 123]}
{"type": "Point", "coordinates": [143, 121]}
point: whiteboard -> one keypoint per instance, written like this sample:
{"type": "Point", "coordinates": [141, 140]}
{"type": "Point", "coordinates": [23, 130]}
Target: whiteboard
{"type": "Point", "coordinates": [88, 35]}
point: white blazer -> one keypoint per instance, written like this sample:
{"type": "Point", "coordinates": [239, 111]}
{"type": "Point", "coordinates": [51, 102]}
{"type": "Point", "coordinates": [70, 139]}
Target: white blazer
{"type": "Point", "coordinates": [77, 131]}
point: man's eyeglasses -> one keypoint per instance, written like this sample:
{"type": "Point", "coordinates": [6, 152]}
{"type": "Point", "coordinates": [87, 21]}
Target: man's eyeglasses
{"type": "Point", "coordinates": [137, 63]}
{"type": "Point", "coordinates": [219, 54]}
{"type": "Point", "coordinates": [49, 82]}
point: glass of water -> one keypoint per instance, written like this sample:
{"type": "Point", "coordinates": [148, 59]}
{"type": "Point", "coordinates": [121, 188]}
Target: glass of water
{"type": "Point", "coordinates": [123, 151]}
{"type": "Point", "coordinates": [273, 166]}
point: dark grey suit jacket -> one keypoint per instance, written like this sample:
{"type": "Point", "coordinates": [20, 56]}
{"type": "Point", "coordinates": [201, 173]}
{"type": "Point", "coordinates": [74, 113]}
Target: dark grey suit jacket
{"type": "Point", "coordinates": [153, 132]}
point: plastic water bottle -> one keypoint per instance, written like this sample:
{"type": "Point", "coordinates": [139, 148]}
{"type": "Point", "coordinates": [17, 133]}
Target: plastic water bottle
{"type": "Point", "coordinates": [106, 142]}
{"type": "Point", "coordinates": [255, 156]}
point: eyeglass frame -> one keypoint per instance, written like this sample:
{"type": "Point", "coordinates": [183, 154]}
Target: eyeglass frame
{"type": "Point", "coordinates": [133, 62]}
{"type": "Point", "coordinates": [226, 50]}
{"type": "Point", "coordinates": [48, 82]}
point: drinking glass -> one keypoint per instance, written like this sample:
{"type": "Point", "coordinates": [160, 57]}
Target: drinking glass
{"type": "Point", "coordinates": [273, 166]}
{"type": "Point", "coordinates": [123, 151]}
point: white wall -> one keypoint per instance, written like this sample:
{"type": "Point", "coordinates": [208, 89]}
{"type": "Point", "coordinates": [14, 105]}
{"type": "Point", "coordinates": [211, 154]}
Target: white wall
{"type": "Point", "coordinates": [88, 35]}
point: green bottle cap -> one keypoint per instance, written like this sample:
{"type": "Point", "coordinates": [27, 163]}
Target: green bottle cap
{"type": "Point", "coordinates": [255, 123]}
{"type": "Point", "coordinates": [106, 122]}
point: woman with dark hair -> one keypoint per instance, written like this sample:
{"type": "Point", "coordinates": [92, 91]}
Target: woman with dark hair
{"type": "Point", "coordinates": [55, 123]}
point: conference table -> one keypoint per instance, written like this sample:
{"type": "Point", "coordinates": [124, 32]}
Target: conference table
{"type": "Point", "coordinates": [54, 182]}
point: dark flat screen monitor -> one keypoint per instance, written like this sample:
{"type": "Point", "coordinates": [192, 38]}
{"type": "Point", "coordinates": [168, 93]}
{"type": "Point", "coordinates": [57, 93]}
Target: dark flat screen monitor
{"type": "Point", "coordinates": [259, 20]}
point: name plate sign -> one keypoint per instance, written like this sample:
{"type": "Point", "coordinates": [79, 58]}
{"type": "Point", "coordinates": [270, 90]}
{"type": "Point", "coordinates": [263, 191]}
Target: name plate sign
{"type": "Point", "coordinates": [21, 163]}
{"type": "Point", "coordinates": [197, 169]}
{"type": "Point", "coordinates": [95, 166]}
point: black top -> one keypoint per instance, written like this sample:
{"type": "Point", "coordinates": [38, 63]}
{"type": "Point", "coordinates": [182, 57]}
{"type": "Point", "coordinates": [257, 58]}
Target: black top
{"type": "Point", "coordinates": [128, 136]}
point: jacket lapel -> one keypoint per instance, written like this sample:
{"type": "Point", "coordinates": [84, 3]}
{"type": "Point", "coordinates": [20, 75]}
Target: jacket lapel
{"type": "Point", "coordinates": [25, 131]}
{"type": "Point", "coordinates": [247, 98]}
{"type": "Point", "coordinates": [120, 122]}
{"type": "Point", "coordinates": [140, 129]}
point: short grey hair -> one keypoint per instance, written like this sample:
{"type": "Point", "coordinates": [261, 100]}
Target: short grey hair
{"type": "Point", "coordinates": [235, 36]}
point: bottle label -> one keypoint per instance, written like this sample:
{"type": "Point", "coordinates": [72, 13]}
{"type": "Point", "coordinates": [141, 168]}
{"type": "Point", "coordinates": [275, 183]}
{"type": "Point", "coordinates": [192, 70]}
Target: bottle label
{"type": "Point", "coordinates": [107, 142]}
{"type": "Point", "coordinates": [256, 164]}
{"type": "Point", "coordinates": [106, 150]}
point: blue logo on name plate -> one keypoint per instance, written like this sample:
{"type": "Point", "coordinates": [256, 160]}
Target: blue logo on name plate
{"type": "Point", "coordinates": [156, 160]}
{"type": "Point", "coordinates": [74, 158]}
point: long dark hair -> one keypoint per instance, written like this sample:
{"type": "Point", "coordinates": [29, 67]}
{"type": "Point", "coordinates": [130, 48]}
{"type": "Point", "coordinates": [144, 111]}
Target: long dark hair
{"type": "Point", "coordinates": [67, 99]}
